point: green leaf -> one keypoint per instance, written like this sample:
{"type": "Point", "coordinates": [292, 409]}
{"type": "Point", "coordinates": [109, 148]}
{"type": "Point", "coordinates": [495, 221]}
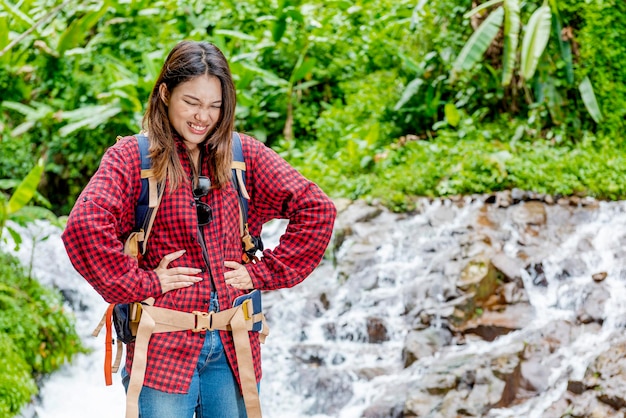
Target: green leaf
{"type": "Point", "coordinates": [4, 38]}
{"type": "Point", "coordinates": [7, 184]}
{"type": "Point", "coordinates": [93, 118]}
{"type": "Point", "coordinates": [16, 13]}
{"type": "Point", "coordinates": [589, 98]}
{"type": "Point", "coordinates": [26, 190]}
{"type": "Point", "coordinates": [535, 40]}
{"type": "Point", "coordinates": [20, 107]}
{"type": "Point", "coordinates": [453, 116]}
{"type": "Point", "coordinates": [28, 214]}
{"type": "Point", "coordinates": [75, 34]}
{"type": "Point", "coordinates": [564, 46]}
{"type": "Point", "coordinates": [304, 67]}
{"type": "Point", "coordinates": [280, 26]}
{"type": "Point", "coordinates": [22, 128]}
{"type": "Point", "coordinates": [268, 77]}
{"type": "Point", "coordinates": [235, 34]}
{"type": "Point", "coordinates": [409, 91]}
{"type": "Point", "coordinates": [478, 43]}
{"type": "Point", "coordinates": [305, 85]}
{"type": "Point", "coordinates": [17, 238]}
{"type": "Point", "coordinates": [481, 7]}
{"type": "Point", "coordinates": [512, 27]}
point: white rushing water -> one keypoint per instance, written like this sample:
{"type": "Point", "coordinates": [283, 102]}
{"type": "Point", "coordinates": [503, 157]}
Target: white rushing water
{"type": "Point", "coordinates": [317, 357]}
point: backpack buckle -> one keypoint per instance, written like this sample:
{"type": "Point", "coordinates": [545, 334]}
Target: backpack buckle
{"type": "Point", "coordinates": [203, 321]}
{"type": "Point", "coordinates": [247, 309]}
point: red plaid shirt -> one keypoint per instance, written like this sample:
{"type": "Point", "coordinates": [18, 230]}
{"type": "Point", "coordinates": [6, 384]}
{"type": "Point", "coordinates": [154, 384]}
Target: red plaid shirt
{"type": "Point", "coordinates": [104, 216]}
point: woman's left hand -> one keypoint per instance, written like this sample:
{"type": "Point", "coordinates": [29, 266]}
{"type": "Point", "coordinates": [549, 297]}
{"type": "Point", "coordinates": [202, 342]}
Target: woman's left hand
{"type": "Point", "coordinates": [238, 277]}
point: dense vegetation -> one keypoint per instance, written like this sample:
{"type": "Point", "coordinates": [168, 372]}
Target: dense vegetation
{"type": "Point", "coordinates": [374, 99]}
{"type": "Point", "coordinates": [361, 96]}
{"type": "Point", "coordinates": [36, 335]}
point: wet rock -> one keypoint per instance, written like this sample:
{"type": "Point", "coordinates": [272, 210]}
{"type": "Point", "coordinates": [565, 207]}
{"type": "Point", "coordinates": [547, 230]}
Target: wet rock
{"type": "Point", "coordinates": [384, 411]}
{"type": "Point", "coordinates": [309, 354]}
{"type": "Point", "coordinates": [424, 343]}
{"type": "Point", "coordinates": [571, 267]}
{"type": "Point", "coordinates": [492, 324]}
{"type": "Point", "coordinates": [376, 331]}
{"type": "Point", "coordinates": [328, 390]}
{"type": "Point", "coordinates": [529, 213]}
{"type": "Point", "coordinates": [598, 277]}
{"type": "Point", "coordinates": [479, 278]}
{"type": "Point", "coordinates": [593, 302]}
{"type": "Point", "coordinates": [606, 376]}
{"type": "Point", "coordinates": [510, 267]}
{"type": "Point", "coordinates": [537, 274]}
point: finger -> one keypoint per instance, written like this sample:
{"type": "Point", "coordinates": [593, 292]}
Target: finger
{"type": "Point", "coordinates": [243, 286]}
{"type": "Point", "coordinates": [166, 260]}
{"type": "Point", "coordinates": [178, 281]}
{"type": "Point", "coordinates": [183, 270]}
{"type": "Point", "coordinates": [232, 264]}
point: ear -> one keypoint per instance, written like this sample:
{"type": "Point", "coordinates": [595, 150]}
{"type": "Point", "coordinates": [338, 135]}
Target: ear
{"type": "Point", "coordinates": [164, 93]}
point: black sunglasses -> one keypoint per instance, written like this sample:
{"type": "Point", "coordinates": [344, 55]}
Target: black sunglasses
{"type": "Point", "coordinates": [203, 211]}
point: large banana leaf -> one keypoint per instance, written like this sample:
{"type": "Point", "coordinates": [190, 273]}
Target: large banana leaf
{"type": "Point", "coordinates": [478, 43]}
{"type": "Point", "coordinates": [535, 40]}
{"type": "Point", "coordinates": [512, 25]}
{"type": "Point", "coordinates": [589, 98]}
{"type": "Point", "coordinates": [26, 190]}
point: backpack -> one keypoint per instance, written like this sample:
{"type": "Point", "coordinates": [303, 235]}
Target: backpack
{"type": "Point", "coordinates": [246, 314]}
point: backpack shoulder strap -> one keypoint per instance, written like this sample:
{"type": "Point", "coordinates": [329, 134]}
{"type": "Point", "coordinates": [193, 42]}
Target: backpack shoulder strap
{"type": "Point", "coordinates": [250, 244]}
{"type": "Point", "coordinates": [239, 175]}
{"type": "Point", "coordinates": [148, 202]}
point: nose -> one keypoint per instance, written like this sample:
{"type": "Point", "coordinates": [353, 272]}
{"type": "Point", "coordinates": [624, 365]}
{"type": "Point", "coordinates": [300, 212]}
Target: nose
{"type": "Point", "coordinates": [202, 115]}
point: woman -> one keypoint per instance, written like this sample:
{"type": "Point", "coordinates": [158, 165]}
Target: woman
{"type": "Point", "coordinates": [189, 121]}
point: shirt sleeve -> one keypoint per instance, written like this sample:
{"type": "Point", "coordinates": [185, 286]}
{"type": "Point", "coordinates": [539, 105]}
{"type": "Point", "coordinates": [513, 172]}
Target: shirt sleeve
{"type": "Point", "coordinates": [278, 191]}
{"type": "Point", "coordinates": [102, 216]}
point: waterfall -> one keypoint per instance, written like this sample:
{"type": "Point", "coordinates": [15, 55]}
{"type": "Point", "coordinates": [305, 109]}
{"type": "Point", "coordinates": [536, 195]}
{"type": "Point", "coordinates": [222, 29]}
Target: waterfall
{"type": "Point", "coordinates": [336, 343]}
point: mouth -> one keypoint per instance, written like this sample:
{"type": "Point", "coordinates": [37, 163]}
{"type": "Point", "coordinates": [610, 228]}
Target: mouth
{"type": "Point", "coordinates": [198, 129]}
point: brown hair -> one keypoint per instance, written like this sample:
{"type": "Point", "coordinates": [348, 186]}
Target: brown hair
{"type": "Point", "coordinates": [188, 60]}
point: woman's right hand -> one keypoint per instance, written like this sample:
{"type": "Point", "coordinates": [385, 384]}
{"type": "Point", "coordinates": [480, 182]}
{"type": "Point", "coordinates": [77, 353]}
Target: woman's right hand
{"type": "Point", "coordinates": [176, 277]}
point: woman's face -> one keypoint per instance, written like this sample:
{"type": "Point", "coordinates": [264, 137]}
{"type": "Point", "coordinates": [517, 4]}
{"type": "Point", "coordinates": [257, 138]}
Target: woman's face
{"type": "Point", "coordinates": [194, 108]}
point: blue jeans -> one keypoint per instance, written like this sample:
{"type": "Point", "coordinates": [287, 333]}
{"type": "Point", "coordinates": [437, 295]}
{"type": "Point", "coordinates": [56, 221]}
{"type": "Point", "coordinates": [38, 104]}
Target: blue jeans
{"type": "Point", "coordinates": [214, 392]}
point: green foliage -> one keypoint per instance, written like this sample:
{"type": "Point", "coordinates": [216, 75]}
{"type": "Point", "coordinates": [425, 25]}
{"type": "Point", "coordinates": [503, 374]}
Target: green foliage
{"type": "Point", "coordinates": [37, 334]}
{"type": "Point", "coordinates": [45, 333]}
{"type": "Point", "coordinates": [331, 85]}
{"type": "Point", "coordinates": [601, 55]}
{"type": "Point", "coordinates": [17, 384]}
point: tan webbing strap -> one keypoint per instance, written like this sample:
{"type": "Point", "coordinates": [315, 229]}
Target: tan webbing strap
{"type": "Point", "coordinates": [138, 370]}
{"type": "Point", "coordinates": [245, 365]}
{"type": "Point", "coordinates": [240, 167]}
{"type": "Point", "coordinates": [155, 320]}
{"type": "Point", "coordinates": [131, 246]}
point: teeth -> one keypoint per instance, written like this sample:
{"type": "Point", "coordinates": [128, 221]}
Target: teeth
{"type": "Point", "coordinates": [197, 127]}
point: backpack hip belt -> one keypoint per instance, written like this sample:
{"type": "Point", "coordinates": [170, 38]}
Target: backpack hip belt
{"type": "Point", "coordinates": [155, 320]}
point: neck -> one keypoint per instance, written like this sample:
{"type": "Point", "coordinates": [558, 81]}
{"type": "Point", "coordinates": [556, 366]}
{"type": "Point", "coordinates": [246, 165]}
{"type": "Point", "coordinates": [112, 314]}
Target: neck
{"type": "Point", "coordinates": [194, 158]}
